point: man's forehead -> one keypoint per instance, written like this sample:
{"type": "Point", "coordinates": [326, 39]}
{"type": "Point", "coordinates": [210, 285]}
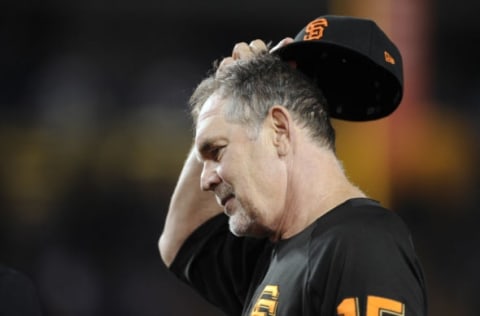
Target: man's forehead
{"type": "Point", "coordinates": [212, 106]}
{"type": "Point", "coordinates": [210, 118]}
{"type": "Point", "coordinates": [210, 113]}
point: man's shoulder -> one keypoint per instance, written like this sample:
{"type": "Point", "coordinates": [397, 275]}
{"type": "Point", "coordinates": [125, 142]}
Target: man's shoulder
{"type": "Point", "coordinates": [359, 219]}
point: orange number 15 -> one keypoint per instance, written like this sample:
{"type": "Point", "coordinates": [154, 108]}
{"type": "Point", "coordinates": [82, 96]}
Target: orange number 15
{"type": "Point", "coordinates": [375, 307]}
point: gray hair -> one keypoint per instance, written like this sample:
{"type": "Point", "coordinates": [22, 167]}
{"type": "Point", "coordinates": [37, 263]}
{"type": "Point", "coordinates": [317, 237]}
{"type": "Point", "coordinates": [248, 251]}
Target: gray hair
{"type": "Point", "coordinates": [254, 85]}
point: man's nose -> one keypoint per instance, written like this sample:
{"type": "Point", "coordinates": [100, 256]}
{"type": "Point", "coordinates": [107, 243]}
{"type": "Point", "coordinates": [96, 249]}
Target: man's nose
{"type": "Point", "coordinates": [209, 178]}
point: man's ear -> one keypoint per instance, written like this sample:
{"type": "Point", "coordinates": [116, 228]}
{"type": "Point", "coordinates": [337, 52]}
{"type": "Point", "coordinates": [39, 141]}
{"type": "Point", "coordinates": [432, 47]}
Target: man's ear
{"type": "Point", "coordinates": [281, 123]}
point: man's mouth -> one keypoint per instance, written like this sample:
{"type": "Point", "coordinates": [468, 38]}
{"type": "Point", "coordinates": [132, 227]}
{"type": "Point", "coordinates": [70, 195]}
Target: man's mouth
{"type": "Point", "coordinates": [225, 199]}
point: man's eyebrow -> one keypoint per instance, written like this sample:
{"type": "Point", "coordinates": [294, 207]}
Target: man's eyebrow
{"type": "Point", "coordinates": [205, 146]}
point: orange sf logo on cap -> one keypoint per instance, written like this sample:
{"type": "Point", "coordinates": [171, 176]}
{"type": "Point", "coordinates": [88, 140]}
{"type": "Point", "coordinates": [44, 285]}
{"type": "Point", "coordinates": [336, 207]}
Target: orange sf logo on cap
{"type": "Point", "coordinates": [314, 29]}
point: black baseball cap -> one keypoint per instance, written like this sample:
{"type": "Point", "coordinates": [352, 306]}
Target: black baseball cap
{"type": "Point", "coordinates": [358, 68]}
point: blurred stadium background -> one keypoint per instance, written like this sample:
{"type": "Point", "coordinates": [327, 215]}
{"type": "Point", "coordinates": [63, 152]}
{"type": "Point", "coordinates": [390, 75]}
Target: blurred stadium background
{"type": "Point", "coordinates": [94, 131]}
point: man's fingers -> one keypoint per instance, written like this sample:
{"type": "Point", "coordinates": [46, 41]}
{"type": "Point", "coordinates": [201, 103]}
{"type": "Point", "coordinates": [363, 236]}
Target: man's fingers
{"type": "Point", "coordinates": [241, 51]}
{"type": "Point", "coordinates": [224, 64]}
{"type": "Point", "coordinates": [283, 42]}
{"type": "Point", "coordinates": [226, 61]}
{"type": "Point", "coordinates": [258, 46]}
{"type": "Point", "coordinates": [244, 51]}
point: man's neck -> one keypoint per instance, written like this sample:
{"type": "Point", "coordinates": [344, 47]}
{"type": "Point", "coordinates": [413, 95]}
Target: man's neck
{"type": "Point", "coordinates": [317, 184]}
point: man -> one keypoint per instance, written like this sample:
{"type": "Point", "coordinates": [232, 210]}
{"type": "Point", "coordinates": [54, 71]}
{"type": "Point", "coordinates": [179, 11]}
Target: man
{"type": "Point", "coordinates": [263, 220]}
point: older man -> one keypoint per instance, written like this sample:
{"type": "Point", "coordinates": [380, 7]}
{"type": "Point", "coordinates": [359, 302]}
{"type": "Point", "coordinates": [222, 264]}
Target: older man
{"type": "Point", "coordinates": [264, 221]}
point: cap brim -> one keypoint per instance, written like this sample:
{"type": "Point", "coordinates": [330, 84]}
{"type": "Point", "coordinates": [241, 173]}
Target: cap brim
{"type": "Point", "coordinates": [356, 88]}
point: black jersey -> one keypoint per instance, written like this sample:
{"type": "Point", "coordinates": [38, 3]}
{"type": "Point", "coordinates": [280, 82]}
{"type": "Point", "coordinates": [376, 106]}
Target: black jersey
{"type": "Point", "coordinates": [356, 260]}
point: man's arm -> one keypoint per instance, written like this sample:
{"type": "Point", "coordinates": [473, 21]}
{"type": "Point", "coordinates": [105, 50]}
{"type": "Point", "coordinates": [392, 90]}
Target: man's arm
{"type": "Point", "coordinates": [189, 208]}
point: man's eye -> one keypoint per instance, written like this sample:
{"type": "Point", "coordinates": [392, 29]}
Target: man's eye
{"type": "Point", "coordinates": [216, 153]}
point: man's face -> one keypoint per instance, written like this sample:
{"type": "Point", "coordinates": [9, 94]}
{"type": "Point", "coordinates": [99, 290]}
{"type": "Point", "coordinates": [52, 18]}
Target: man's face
{"type": "Point", "coordinates": [246, 174]}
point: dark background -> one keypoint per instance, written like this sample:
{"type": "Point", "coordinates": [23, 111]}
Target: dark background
{"type": "Point", "coordinates": [94, 131]}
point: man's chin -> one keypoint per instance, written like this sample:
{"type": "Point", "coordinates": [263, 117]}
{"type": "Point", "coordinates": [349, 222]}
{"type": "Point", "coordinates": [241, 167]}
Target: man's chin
{"type": "Point", "coordinates": [241, 226]}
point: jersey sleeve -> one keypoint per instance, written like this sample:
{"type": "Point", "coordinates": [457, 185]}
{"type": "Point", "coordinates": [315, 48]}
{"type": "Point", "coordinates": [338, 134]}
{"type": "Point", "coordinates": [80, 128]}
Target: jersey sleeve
{"type": "Point", "coordinates": [219, 265]}
{"type": "Point", "coordinates": [368, 268]}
